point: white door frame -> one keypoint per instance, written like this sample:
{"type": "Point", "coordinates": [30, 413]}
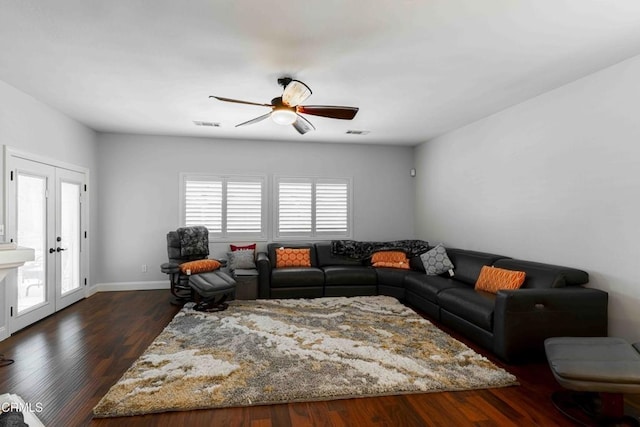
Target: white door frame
{"type": "Point", "coordinates": [10, 281]}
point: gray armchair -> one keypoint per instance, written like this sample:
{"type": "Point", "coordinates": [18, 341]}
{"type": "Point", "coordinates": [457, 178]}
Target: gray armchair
{"type": "Point", "coordinates": [209, 289]}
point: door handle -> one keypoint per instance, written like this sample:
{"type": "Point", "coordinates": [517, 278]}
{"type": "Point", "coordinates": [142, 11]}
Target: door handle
{"type": "Point", "coordinates": [60, 249]}
{"type": "Point", "coordinates": [51, 250]}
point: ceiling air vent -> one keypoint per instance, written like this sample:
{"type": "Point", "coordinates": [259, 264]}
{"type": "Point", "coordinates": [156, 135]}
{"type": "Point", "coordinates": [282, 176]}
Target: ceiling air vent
{"type": "Point", "coordinates": [357, 132]}
{"type": "Point", "coordinates": [209, 124]}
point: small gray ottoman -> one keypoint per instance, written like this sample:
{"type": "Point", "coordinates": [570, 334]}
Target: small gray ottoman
{"type": "Point", "coordinates": [602, 368]}
{"type": "Point", "coordinates": [213, 289]}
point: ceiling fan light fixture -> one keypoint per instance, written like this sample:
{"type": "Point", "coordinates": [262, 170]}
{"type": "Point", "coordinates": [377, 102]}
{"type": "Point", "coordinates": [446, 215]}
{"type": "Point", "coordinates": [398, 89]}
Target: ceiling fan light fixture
{"type": "Point", "coordinates": [284, 116]}
{"type": "Point", "coordinates": [295, 93]}
{"type": "Point", "coordinates": [287, 109]}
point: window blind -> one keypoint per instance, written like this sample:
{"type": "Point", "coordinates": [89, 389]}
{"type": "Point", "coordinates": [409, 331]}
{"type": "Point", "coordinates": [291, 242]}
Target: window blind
{"type": "Point", "coordinates": [227, 206]}
{"type": "Point", "coordinates": [313, 207]}
{"type": "Point", "coordinates": [332, 211]}
{"type": "Point", "coordinates": [294, 207]}
{"type": "Point", "coordinates": [203, 204]}
{"type": "Point", "coordinates": [244, 207]}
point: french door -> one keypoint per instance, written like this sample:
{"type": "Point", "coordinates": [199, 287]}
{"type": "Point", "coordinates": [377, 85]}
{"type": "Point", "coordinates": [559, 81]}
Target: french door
{"type": "Point", "coordinates": [46, 212]}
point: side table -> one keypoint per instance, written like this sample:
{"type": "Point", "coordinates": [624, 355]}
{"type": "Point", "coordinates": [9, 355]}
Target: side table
{"type": "Point", "coordinates": [246, 283]}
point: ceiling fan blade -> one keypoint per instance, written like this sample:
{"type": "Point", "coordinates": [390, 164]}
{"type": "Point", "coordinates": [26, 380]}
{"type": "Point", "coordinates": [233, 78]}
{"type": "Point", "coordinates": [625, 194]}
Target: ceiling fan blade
{"type": "Point", "coordinates": [303, 125]}
{"type": "Point", "coordinates": [295, 93]}
{"type": "Point", "coordinates": [256, 120]}
{"type": "Point", "coordinates": [237, 101]}
{"type": "Point", "coordinates": [334, 112]}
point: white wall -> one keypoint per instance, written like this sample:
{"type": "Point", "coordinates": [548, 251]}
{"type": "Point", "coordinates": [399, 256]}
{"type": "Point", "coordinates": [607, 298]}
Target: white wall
{"type": "Point", "coordinates": [33, 127]}
{"type": "Point", "coordinates": [555, 179]}
{"type": "Point", "coordinates": [139, 190]}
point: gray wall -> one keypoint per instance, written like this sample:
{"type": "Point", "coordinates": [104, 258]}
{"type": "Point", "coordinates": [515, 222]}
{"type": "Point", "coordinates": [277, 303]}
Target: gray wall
{"type": "Point", "coordinates": [139, 190]}
{"type": "Point", "coordinates": [33, 127]}
{"type": "Point", "coordinates": [555, 179]}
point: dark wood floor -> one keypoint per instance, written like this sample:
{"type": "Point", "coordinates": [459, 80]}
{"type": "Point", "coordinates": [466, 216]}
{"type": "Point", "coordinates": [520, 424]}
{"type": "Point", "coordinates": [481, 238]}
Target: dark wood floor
{"type": "Point", "coordinates": [68, 361]}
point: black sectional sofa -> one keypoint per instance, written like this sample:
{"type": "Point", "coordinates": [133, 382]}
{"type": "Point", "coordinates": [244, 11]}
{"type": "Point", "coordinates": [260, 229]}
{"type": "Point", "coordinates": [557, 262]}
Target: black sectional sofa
{"type": "Point", "coordinates": [513, 324]}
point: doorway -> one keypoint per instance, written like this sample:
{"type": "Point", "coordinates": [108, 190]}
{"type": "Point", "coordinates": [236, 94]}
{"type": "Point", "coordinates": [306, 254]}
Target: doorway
{"type": "Point", "coordinates": [46, 211]}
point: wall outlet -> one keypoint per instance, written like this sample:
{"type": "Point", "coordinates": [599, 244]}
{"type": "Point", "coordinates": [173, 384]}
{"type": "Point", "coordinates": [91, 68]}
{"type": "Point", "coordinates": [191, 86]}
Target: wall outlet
{"type": "Point", "coordinates": [144, 268]}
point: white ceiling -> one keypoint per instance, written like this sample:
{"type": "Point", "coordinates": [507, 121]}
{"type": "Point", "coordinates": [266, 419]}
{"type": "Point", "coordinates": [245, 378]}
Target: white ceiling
{"type": "Point", "coordinates": [415, 68]}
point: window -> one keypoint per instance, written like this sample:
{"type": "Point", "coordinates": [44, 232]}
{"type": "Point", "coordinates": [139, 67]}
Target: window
{"type": "Point", "coordinates": [230, 207]}
{"type": "Point", "coordinates": [313, 207]}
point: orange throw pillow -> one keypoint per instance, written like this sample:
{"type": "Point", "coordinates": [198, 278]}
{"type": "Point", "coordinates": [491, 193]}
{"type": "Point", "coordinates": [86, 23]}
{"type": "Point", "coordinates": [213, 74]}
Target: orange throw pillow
{"type": "Point", "coordinates": [403, 265]}
{"type": "Point", "coordinates": [493, 279]}
{"type": "Point", "coordinates": [199, 266]}
{"type": "Point", "coordinates": [290, 257]}
{"type": "Point", "coordinates": [390, 259]}
{"type": "Point", "coordinates": [389, 256]}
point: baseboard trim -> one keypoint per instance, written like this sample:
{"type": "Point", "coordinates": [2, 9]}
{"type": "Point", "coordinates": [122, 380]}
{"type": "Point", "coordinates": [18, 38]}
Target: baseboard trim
{"type": "Point", "coordinates": [129, 286]}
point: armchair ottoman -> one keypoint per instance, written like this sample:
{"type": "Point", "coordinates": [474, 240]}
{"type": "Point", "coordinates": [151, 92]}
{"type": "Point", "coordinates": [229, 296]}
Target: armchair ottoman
{"type": "Point", "coordinates": [599, 370]}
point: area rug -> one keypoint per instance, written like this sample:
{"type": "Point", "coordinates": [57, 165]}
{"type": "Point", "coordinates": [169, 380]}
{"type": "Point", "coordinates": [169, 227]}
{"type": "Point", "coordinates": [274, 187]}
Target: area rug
{"type": "Point", "coordinates": [274, 351]}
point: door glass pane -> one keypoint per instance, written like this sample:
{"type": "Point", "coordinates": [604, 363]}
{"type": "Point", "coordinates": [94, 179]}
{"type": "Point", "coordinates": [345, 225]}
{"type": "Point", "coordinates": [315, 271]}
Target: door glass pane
{"type": "Point", "coordinates": [31, 225]}
{"type": "Point", "coordinates": [70, 236]}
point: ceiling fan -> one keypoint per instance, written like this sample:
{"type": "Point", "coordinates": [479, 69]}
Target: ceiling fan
{"type": "Point", "coordinates": [286, 109]}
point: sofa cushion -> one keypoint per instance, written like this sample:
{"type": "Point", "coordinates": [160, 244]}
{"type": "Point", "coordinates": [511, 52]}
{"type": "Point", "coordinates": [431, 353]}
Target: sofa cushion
{"type": "Point", "coordinates": [468, 264]}
{"type": "Point", "coordinates": [399, 265]}
{"type": "Point", "coordinates": [389, 256]}
{"type": "Point", "coordinates": [296, 276]}
{"type": "Point", "coordinates": [242, 258]}
{"type": "Point", "coordinates": [349, 275]}
{"type": "Point", "coordinates": [436, 261]}
{"type": "Point", "coordinates": [199, 266]}
{"type": "Point", "coordinates": [540, 276]}
{"type": "Point", "coordinates": [271, 251]}
{"type": "Point", "coordinates": [390, 259]}
{"type": "Point", "coordinates": [293, 257]}
{"type": "Point", "coordinates": [474, 306]}
{"type": "Point", "coordinates": [251, 247]}
{"type": "Point", "coordinates": [493, 279]}
{"type": "Point", "coordinates": [428, 287]}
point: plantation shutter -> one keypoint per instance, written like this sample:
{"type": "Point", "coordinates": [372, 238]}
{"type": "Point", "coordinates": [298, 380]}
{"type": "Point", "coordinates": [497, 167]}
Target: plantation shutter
{"type": "Point", "coordinates": [244, 207]}
{"type": "Point", "coordinates": [332, 208]}
{"type": "Point", "coordinates": [294, 208]}
{"type": "Point", "coordinates": [313, 207]}
{"type": "Point", "coordinates": [203, 204]}
{"type": "Point", "coordinates": [227, 206]}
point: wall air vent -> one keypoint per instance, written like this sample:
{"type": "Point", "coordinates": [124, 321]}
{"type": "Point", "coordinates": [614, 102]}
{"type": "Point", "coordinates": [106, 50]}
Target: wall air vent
{"type": "Point", "coordinates": [209, 124]}
{"type": "Point", "coordinates": [357, 132]}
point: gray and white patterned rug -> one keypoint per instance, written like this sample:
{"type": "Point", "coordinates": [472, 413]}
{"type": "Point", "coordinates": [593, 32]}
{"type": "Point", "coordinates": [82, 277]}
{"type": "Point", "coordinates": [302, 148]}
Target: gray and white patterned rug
{"type": "Point", "coordinates": [275, 351]}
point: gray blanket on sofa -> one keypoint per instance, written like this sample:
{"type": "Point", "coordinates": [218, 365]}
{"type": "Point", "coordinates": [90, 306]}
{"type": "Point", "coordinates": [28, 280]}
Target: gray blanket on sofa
{"type": "Point", "coordinates": [361, 250]}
